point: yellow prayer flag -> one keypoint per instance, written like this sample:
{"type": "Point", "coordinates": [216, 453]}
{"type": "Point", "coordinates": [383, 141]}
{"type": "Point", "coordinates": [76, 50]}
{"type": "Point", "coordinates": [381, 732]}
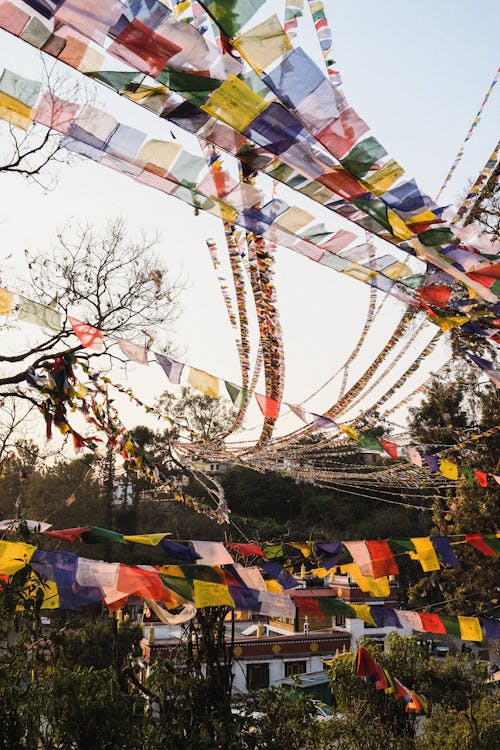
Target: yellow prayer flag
{"type": "Point", "coordinates": [294, 218]}
{"type": "Point", "coordinates": [399, 227]}
{"type": "Point", "coordinates": [397, 270]}
{"type": "Point", "coordinates": [211, 595]}
{"type": "Point", "coordinates": [274, 586]}
{"type": "Point", "coordinates": [172, 570]}
{"type": "Point", "coordinates": [425, 553]}
{"type": "Point", "coordinates": [378, 586]}
{"type": "Point", "coordinates": [363, 613]}
{"type": "Point", "coordinates": [234, 103]}
{"type": "Point", "coordinates": [50, 595]}
{"type": "Point", "coordinates": [161, 154]}
{"type": "Point", "coordinates": [151, 539]}
{"type": "Point", "coordinates": [6, 301]}
{"type": "Point", "coordinates": [448, 469]}
{"type": "Point", "coordinates": [422, 218]}
{"type": "Point", "coordinates": [207, 384]}
{"type": "Point", "coordinates": [349, 431]}
{"type": "Point", "coordinates": [381, 180]}
{"type": "Point", "coordinates": [320, 572]}
{"type": "Point", "coordinates": [263, 44]}
{"type": "Point", "coordinates": [14, 556]}
{"type": "Point", "coordinates": [15, 112]}
{"type": "Point", "coordinates": [304, 547]}
{"type": "Point", "coordinates": [452, 321]}
{"type": "Point", "coordinates": [358, 272]}
{"type": "Point", "coordinates": [470, 628]}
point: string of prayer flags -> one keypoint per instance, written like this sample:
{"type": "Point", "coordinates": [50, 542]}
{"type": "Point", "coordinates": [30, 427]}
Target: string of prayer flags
{"type": "Point", "coordinates": [371, 671]}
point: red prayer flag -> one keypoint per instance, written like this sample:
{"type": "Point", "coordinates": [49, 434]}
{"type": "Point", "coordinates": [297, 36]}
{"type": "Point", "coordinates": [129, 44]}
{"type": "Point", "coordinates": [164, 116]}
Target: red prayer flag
{"type": "Point", "coordinates": [68, 535]}
{"type": "Point", "coordinates": [268, 406]}
{"type": "Point", "coordinates": [365, 665]}
{"type": "Point", "coordinates": [432, 623]}
{"type": "Point", "coordinates": [390, 448]}
{"type": "Point", "coordinates": [246, 550]}
{"type": "Point", "coordinates": [477, 541]}
{"type": "Point", "coordinates": [90, 337]}
{"type": "Point", "coordinates": [308, 605]}
{"type": "Point", "coordinates": [436, 294]}
{"type": "Point", "coordinates": [481, 477]}
{"type": "Point", "coordinates": [383, 562]}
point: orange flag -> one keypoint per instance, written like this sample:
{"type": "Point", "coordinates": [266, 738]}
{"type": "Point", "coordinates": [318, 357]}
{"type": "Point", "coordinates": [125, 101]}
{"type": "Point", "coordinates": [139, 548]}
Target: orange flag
{"type": "Point", "coordinates": [90, 337]}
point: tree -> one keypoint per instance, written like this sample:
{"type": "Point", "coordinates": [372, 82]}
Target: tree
{"type": "Point", "coordinates": [450, 412]}
{"type": "Point", "coordinates": [208, 417]}
{"type": "Point", "coordinates": [370, 719]}
{"type": "Point", "coordinates": [112, 282]}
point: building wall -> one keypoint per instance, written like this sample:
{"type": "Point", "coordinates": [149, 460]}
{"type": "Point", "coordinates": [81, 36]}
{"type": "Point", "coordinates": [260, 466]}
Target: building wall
{"type": "Point", "coordinates": [276, 669]}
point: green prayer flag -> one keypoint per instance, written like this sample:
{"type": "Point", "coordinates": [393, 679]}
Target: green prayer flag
{"type": "Point", "coordinates": [208, 573]}
{"type": "Point", "coordinates": [331, 606]}
{"type": "Point", "coordinates": [117, 80]}
{"type": "Point", "coordinates": [231, 15]}
{"type": "Point", "coordinates": [493, 542]}
{"type": "Point", "coordinates": [22, 89]}
{"type": "Point", "coordinates": [273, 550]}
{"type": "Point", "coordinates": [95, 535]}
{"type": "Point", "coordinates": [467, 474]}
{"type": "Point", "coordinates": [39, 315]}
{"type": "Point", "coordinates": [369, 441]}
{"type": "Point", "coordinates": [376, 209]}
{"type": "Point", "coordinates": [237, 395]}
{"type": "Point", "coordinates": [451, 625]}
{"type": "Point", "coordinates": [181, 586]}
{"type": "Point", "coordinates": [363, 156]}
{"type": "Point", "coordinates": [416, 281]}
{"type": "Point", "coordinates": [432, 237]}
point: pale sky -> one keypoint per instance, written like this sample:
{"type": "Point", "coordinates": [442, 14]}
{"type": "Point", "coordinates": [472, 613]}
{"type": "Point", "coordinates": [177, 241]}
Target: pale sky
{"type": "Point", "coordinates": [416, 72]}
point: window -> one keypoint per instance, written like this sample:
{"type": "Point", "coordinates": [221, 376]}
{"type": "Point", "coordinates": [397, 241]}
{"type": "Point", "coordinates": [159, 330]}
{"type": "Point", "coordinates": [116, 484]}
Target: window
{"type": "Point", "coordinates": [257, 676]}
{"type": "Point", "coordinates": [340, 621]}
{"type": "Point", "coordinates": [294, 667]}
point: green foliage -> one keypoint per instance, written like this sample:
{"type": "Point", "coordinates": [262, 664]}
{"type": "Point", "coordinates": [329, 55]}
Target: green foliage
{"type": "Point", "coordinates": [82, 707]}
{"type": "Point", "coordinates": [473, 728]}
{"type": "Point", "coordinates": [98, 645]}
{"type": "Point", "coordinates": [455, 686]}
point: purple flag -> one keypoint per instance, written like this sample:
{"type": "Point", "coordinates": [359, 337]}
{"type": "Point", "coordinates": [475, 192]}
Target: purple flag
{"type": "Point", "coordinates": [173, 370]}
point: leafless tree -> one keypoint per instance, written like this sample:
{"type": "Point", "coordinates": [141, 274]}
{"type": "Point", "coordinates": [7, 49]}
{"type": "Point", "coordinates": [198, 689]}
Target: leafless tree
{"type": "Point", "coordinates": [105, 279]}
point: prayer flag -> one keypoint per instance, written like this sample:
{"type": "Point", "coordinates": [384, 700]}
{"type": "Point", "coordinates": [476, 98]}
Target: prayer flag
{"type": "Point", "coordinates": [470, 628]}
{"type": "Point", "coordinates": [172, 369]}
{"type": "Point", "coordinates": [212, 553]}
{"type": "Point", "coordinates": [6, 301]}
{"type": "Point", "coordinates": [390, 448]}
{"type": "Point", "coordinates": [448, 469]}
{"type": "Point", "coordinates": [263, 44]}
{"type": "Point", "coordinates": [68, 535]}
{"type": "Point", "coordinates": [179, 551]}
{"type": "Point", "coordinates": [234, 103]}
{"type": "Point", "coordinates": [202, 381]}
{"type": "Point", "coordinates": [40, 315]}
{"type": "Point", "coordinates": [268, 406]}
{"type": "Point", "coordinates": [237, 395]}
{"type": "Point", "coordinates": [482, 477]}
{"type": "Point", "coordinates": [445, 551]}
{"type": "Point", "coordinates": [211, 595]}
{"type": "Point", "coordinates": [425, 553]}
{"type": "Point", "coordinates": [246, 549]}
{"type": "Point", "coordinates": [414, 456]}
{"type": "Point", "coordinates": [432, 623]}
{"type": "Point", "coordinates": [477, 541]}
{"type": "Point", "coordinates": [150, 539]}
{"type": "Point", "coordinates": [133, 351]}
{"type": "Point", "coordinates": [90, 337]}
{"type": "Point", "coordinates": [14, 556]}
{"type": "Point", "coordinates": [383, 562]}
